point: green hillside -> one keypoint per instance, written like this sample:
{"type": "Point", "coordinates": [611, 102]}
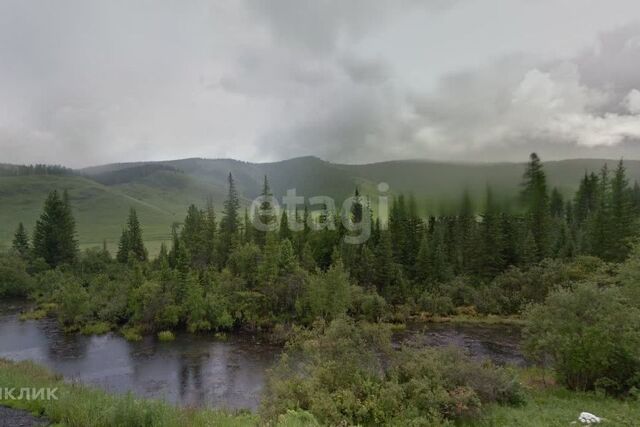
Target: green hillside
{"type": "Point", "coordinates": [100, 211]}
{"type": "Point", "coordinates": [161, 191]}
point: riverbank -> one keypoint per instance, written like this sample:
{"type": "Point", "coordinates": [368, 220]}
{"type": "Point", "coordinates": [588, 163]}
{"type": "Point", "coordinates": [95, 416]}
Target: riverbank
{"type": "Point", "coordinates": [82, 406]}
{"type": "Point", "coordinates": [547, 405]}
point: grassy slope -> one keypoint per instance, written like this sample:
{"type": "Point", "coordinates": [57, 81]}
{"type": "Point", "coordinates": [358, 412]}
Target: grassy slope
{"type": "Point", "coordinates": [100, 211]}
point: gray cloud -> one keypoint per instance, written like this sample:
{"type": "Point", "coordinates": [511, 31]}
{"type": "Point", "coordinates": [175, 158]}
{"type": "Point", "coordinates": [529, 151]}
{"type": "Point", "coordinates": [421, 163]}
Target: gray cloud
{"type": "Point", "coordinates": [86, 82]}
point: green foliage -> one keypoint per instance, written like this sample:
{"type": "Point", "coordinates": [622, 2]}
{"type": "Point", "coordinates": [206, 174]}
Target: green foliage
{"type": "Point", "coordinates": [73, 301]}
{"type": "Point", "coordinates": [166, 336]}
{"type": "Point", "coordinates": [328, 294]}
{"type": "Point", "coordinates": [345, 373]}
{"type": "Point", "coordinates": [81, 406]}
{"type": "Point", "coordinates": [591, 333]}
{"type": "Point", "coordinates": [97, 328]}
{"type": "Point", "coordinates": [131, 244]}
{"type": "Point", "coordinates": [20, 244]}
{"type": "Point", "coordinates": [14, 279]}
{"type": "Point", "coordinates": [54, 238]}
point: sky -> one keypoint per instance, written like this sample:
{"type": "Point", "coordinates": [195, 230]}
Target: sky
{"type": "Point", "coordinates": [86, 82]}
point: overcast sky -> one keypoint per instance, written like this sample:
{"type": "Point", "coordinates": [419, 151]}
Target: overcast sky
{"type": "Point", "coordinates": [89, 82]}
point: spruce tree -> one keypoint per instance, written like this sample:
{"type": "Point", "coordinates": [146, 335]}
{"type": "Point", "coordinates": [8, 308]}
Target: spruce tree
{"type": "Point", "coordinates": [54, 237]}
{"type": "Point", "coordinates": [193, 237]}
{"type": "Point", "coordinates": [600, 227]}
{"type": "Point", "coordinates": [230, 223]}
{"type": "Point", "coordinates": [622, 214]}
{"type": "Point", "coordinates": [285, 232]}
{"type": "Point", "coordinates": [490, 255]}
{"type": "Point", "coordinates": [123, 247]}
{"type": "Point", "coordinates": [536, 201]}
{"type": "Point", "coordinates": [265, 216]}
{"type": "Point", "coordinates": [136, 243]}
{"type": "Point", "coordinates": [210, 232]}
{"type": "Point", "coordinates": [21, 241]}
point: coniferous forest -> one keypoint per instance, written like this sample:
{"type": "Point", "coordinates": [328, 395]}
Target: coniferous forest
{"type": "Point", "coordinates": [566, 267]}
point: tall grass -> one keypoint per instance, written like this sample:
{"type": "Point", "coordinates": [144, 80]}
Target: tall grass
{"type": "Point", "coordinates": [81, 406]}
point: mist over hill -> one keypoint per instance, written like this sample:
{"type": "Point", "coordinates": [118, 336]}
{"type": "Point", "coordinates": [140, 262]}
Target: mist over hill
{"type": "Point", "coordinates": [161, 191]}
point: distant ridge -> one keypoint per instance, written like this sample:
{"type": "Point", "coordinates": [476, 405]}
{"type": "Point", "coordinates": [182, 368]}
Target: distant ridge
{"type": "Point", "coordinates": [162, 190]}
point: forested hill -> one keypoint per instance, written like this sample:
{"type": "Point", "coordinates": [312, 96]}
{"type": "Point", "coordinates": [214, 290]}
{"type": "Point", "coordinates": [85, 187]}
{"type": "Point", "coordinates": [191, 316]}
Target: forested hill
{"type": "Point", "coordinates": [161, 191]}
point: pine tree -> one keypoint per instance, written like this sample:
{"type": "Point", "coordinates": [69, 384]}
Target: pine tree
{"type": "Point", "coordinates": [210, 232]}
{"type": "Point", "coordinates": [600, 227]}
{"type": "Point", "coordinates": [229, 225]}
{"type": "Point", "coordinates": [285, 232]}
{"type": "Point", "coordinates": [287, 263]}
{"type": "Point", "coordinates": [247, 228]}
{"type": "Point", "coordinates": [193, 237]}
{"type": "Point", "coordinates": [21, 241]}
{"type": "Point", "coordinates": [123, 247]}
{"type": "Point", "coordinates": [54, 238]}
{"type": "Point", "coordinates": [556, 204]}
{"type": "Point", "coordinates": [265, 216]}
{"type": "Point", "coordinates": [622, 213]}
{"type": "Point", "coordinates": [491, 243]}
{"type": "Point", "coordinates": [536, 201]}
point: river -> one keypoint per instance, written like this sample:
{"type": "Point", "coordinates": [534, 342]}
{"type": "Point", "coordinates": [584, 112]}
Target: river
{"type": "Point", "coordinates": [196, 370]}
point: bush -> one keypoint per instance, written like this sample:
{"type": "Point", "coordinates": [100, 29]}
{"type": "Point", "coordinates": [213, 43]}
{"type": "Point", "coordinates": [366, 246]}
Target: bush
{"type": "Point", "coordinates": [439, 305]}
{"type": "Point", "coordinates": [97, 328]}
{"type": "Point", "coordinates": [345, 373]}
{"type": "Point", "coordinates": [166, 336]}
{"type": "Point", "coordinates": [367, 305]}
{"type": "Point", "coordinates": [591, 334]}
{"type": "Point", "coordinates": [14, 279]}
{"type": "Point", "coordinates": [132, 333]}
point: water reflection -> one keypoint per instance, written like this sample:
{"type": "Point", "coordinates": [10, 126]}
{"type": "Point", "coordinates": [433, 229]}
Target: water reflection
{"type": "Point", "coordinates": [199, 370]}
{"type": "Point", "coordinates": [191, 371]}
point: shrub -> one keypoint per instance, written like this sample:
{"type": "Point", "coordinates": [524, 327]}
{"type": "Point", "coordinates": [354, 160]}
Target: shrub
{"type": "Point", "coordinates": [14, 279]}
{"type": "Point", "coordinates": [96, 328]}
{"type": "Point", "coordinates": [439, 305]}
{"type": "Point", "coordinates": [591, 334]}
{"type": "Point", "coordinates": [132, 333]}
{"type": "Point", "coordinates": [166, 336]}
{"type": "Point", "coordinates": [345, 373]}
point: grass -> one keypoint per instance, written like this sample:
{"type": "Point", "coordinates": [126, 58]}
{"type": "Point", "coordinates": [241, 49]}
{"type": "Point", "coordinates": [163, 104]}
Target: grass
{"type": "Point", "coordinates": [36, 314]}
{"type": "Point", "coordinates": [166, 336]}
{"type": "Point", "coordinates": [476, 320]}
{"type": "Point", "coordinates": [81, 406]}
{"type": "Point", "coordinates": [550, 405]}
{"type": "Point", "coordinates": [97, 328]}
{"type": "Point", "coordinates": [132, 334]}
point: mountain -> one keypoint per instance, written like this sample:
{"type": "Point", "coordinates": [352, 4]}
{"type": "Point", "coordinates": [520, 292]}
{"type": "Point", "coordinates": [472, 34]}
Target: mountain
{"type": "Point", "coordinates": [161, 191]}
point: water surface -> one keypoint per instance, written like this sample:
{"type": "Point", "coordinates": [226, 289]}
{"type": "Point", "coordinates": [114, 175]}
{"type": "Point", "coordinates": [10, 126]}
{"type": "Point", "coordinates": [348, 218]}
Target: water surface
{"type": "Point", "coordinates": [199, 370]}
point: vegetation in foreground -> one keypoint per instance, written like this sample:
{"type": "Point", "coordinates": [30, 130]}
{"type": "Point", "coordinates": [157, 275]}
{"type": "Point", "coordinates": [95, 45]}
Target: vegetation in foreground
{"type": "Point", "coordinates": [80, 406]}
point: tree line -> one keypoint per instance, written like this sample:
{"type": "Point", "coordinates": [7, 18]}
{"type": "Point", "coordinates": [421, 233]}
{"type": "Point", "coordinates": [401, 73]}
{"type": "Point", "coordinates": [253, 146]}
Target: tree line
{"type": "Point", "coordinates": [219, 270]}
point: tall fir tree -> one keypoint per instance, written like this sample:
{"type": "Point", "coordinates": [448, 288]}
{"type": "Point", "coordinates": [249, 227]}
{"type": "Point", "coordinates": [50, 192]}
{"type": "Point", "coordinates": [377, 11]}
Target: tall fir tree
{"type": "Point", "coordinates": [230, 224]}
{"type": "Point", "coordinates": [265, 216]}
{"type": "Point", "coordinates": [622, 213]}
{"type": "Point", "coordinates": [131, 241]}
{"type": "Point", "coordinates": [535, 197]}
{"type": "Point", "coordinates": [54, 237]}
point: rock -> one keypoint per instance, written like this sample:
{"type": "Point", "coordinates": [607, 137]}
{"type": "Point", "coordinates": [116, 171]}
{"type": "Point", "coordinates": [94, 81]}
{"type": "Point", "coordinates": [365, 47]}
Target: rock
{"type": "Point", "coordinates": [587, 418]}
